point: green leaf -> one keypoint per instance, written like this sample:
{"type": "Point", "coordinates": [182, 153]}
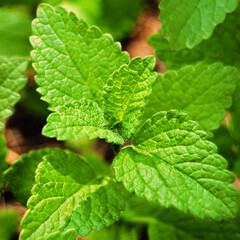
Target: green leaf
{"type": "Point", "coordinates": [15, 30]}
{"type": "Point", "coordinates": [73, 61]}
{"type": "Point", "coordinates": [20, 176]}
{"type": "Point", "coordinates": [3, 163]}
{"type": "Point", "coordinates": [72, 198]}
{"type": "Point", "coordinates": [186, 23]}
{"type": "Point", "coordinates": [12, 80]}
{"type": "Point", "coordinates": [169, 221]}
{"type": "Point", "coordinates": [8, 223]}
{"type": "Point", "coordinates": [187, 228]}
{"type": "Point", "coordinates": [77, 120]}
{"type": "Point", "coordinates": [171, 162]}
{"type": "Point", "coordinates": [162, 231]}
{"type": "Point", "coordinates": [125, 94]}
{"type": "Point", "coordinates": [222, 46]}
{"type": "Point", "coordinates": [204, 92]}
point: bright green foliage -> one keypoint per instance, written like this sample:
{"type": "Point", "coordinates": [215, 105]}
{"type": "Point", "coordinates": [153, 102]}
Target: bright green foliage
{"type": "Point", "coordinates": [77, 120]}
{"type": "Point", "coordinates": [15, 29]}
{"type": "Point", "coordinates": [222, 46]}
{"type": "Point", "coordinates": [171, 162]}
{"type": "Point", "coordinates": [73, 60]}
{"type": "Point", "coordinates": [125, 94]}
{"type": "Point", "coordinates": [67, 197]}
{"type": "Point", "coordinates": [12, 80]}
{"type": "Point", "coordinates": [67, 235]}
{"type": "Point", "coordinates": [112, 16]}
{"type": "Point", "coordinates": [186, 23]}
{"type": "Point", "coordinates": [20, 176]}
{"type": "Point", "coordinates": [8, 223]}
{"type": "Point", "coordinates": [204, 92]}
{"type": "Point", "coordinates": [173, 225]}
{"type": "Point", "coordinates": [3, 163]}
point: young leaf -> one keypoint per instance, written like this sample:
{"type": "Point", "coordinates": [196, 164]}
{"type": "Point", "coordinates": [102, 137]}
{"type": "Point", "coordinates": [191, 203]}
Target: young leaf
{"type": "Point", "coordinates": [73, 60]}
{"type": "Point", "coordinates": [3, 163]}
{"type": "Point", "coordinates": [172, 162]}
{"type": "Point", "coordinates": [8, 223]}
{"type": "Point", "coordinates": [72, 198]}
{"type": "Point", "coordinates": [222, 46]}
{"type": "Point", "coordinates": [20, 176]}
{"type": "Point", "coordinates": [186, 23]}
{"type": "Point", "coordinates": [125, 94]}
{"type": "Point", "coordinates": [12, 80]}
{"type": "Point", "coordinates": [204, 92]}
{"type": "Point", "coordinates": [77, 120]}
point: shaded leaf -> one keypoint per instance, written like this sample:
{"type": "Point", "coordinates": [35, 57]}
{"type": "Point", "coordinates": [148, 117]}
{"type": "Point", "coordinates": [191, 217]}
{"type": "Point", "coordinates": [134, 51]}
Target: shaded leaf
{"type": "Point", "coordinates": [186, 23]}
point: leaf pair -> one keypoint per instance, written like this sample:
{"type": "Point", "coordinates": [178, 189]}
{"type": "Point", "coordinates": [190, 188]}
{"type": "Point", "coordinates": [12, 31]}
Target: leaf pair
{"type": "Point", "coordinates": [68, 197]}
{"type": "Point", "coordinates": [74, 63]}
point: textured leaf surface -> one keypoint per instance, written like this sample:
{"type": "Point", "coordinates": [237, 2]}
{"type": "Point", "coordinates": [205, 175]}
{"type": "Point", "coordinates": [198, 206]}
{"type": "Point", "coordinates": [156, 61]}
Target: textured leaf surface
{"type": "Point", "coordinates": [172, 162]}
{"type": "Point", "coordinates": [222, 46]}
{"type": "Point", "coordinates": [186, 23]}
{"type": "Point", "coordinates": [77, 120]}
{"type": "Point", "coordinates": [69, 198]}
{"type": "Point", "coordinates": [3, 163]}
{"type": "Point", "coordinates": [20, 176]}
{"type": "Point", "coordinates": [204, 92]}
{"type": "Point", "coordinates": [8, 223]}
{"type": "Point", "coordinates": [125, 94]}
{"type": "Point", "coordinates": [73, 60]}
{"type": "Point", "coordinates": [12, 80]}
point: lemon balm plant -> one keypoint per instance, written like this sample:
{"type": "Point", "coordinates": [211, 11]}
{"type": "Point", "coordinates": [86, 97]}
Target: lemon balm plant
{"type": "Point", "coordinates": [167, 174]}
